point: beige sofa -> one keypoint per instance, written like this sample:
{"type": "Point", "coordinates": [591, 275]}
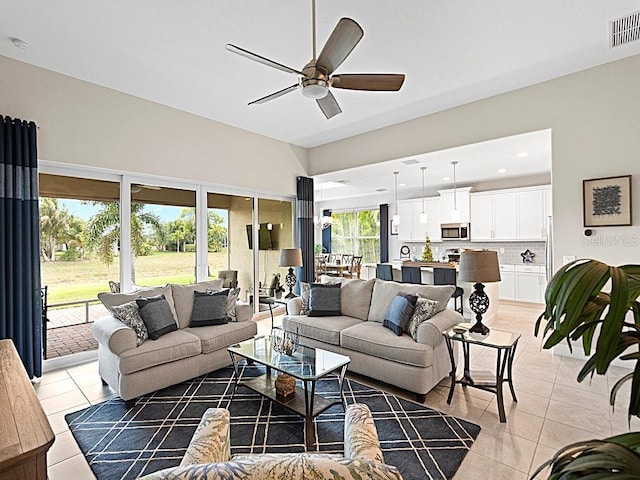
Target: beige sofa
{"type": "Point", "coordinates": [173, 358]}
{"type": "Point", "coordinates": [376, 351]}
{"type": "Point", "coordinates": [208, 455]}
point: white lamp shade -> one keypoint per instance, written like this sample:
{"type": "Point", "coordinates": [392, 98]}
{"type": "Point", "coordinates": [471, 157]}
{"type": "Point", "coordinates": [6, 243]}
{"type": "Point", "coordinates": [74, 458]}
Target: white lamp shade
{"type": "Point", "coordinates": [396, 219]}
{"type": "Point", "coordinates": [290, 257]}
{"type": "Point", "coordinates": [423, 218]}
{"type": "Point", "coordinates": [479, 266]}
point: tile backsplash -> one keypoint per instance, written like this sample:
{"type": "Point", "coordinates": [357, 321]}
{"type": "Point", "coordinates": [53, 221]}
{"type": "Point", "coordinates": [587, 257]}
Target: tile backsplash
{"type": "Point", "coordinates": [508, 252]}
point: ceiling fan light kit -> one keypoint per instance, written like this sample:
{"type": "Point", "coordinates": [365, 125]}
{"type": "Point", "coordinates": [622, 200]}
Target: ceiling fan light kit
{"type": "Point", "coordinates": [316, 77]}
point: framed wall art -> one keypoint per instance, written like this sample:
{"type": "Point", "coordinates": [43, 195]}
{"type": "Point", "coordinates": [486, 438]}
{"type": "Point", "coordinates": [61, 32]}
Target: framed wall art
{"type": "Point", "coordinates": [607, 201]}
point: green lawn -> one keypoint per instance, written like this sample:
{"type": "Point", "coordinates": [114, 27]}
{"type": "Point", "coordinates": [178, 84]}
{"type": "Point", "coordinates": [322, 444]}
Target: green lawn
{"type": "Point", "coordinates": [84, 279]}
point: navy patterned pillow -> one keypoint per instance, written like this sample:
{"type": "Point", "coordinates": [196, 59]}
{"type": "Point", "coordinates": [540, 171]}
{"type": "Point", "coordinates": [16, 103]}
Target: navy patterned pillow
{"type": "Point", "coordinates": [399, 313]}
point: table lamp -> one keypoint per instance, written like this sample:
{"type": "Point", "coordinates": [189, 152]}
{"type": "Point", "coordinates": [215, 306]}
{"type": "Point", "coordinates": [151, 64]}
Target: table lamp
{"type": "Point", "coordinates": [290, 257]}
{"type": "Point", "coordinates": [479, 266]}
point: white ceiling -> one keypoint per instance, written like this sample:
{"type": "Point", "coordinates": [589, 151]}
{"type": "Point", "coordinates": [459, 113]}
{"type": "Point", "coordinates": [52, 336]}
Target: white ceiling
{"type": "Point", "coordinates": [172, 52]}
{"type": "Point", "coordinates": [518, 157]}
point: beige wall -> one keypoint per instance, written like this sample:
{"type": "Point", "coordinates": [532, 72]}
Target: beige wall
{"type": "Point", "coordinates": [85, 124]}
{"type": "Point", "coordinates": [595, 133]}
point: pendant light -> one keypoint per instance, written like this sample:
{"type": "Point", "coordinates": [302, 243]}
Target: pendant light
{"type": "Point", "coordinates": [396, 218]}
{"type": "Point", "coordinates": [455, 214]}
{"type": "Point", "coordinates": [326, 221]}
{"type": "Point", "coordinates": [423, 215]}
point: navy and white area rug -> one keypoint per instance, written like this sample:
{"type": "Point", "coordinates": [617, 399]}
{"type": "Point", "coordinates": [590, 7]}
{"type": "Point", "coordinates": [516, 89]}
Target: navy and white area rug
{"type": "Point", "coordinates": [124, 444]}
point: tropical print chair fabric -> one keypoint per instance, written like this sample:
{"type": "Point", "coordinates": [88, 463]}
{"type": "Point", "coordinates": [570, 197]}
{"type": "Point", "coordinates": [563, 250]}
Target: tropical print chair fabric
{"type": "Point", "coordinates": [211, 440]}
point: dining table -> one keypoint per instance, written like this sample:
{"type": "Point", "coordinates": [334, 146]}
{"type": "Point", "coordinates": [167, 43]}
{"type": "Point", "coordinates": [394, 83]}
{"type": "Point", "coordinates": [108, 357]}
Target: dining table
{"type": "Point", "coordinates": [338, 268]}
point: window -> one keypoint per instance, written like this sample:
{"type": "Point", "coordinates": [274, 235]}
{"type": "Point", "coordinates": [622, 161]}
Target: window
{"type": "Point", "coordinates": [357, 232]}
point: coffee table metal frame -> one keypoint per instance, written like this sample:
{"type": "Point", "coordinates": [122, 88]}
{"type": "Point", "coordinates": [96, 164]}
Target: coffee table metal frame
{"type": "Point", "coordinates": [305, 402]}
{"type": "Point", "coordinates": [505, 344]}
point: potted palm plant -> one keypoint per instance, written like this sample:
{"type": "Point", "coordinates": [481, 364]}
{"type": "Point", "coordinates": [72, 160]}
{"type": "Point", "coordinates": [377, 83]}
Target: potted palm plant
{"type": "Point", "coordinates": [577, 308]}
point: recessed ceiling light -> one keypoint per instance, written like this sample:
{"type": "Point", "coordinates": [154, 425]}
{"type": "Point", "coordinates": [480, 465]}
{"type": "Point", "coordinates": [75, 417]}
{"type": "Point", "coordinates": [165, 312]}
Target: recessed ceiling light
{"type": "Point", "coordinates": [402, 184]}
{"type": "Point", "coordinates": [502, 170]}
{"type": "Point", "coordinates": [19, 43]}
{"type": "Point", "coordinates": [412, 161]}
{"type": "Point", "coordinates": [523, 155]}
{"type": "Point", "coordinates": [446, 179]}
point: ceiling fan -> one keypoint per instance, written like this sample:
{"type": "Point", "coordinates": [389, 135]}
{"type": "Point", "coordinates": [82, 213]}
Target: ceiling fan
{"type": "Point", "coordinates": [316, 77]}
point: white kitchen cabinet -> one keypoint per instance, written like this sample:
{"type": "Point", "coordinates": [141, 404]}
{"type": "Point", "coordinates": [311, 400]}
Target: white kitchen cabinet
{"type": "Point", "coordinates": [531, 283]}
{"type": "Point", "coordinates": [462, 203]}
{"type": "Point", "coordinates": [507, 287]}
{"type": "Point", "coordinates": [405, 229]}
{"type": "Point", "coordinates": [493, 216]}
{"type": "Point", "coordinates": [508, 215]}
{"type": "Point", "coordinates": [410, 228]}
{"type": "Point", "coordinates": [531, 215]}
{"type": "Point", "coordinates": [434, 217]}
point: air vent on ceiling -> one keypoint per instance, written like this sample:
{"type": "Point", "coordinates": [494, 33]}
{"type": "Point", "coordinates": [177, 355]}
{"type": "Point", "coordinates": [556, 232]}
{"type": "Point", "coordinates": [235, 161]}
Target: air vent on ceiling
{"type": "Point", "coordinates": [624, 30]}
{"type": "Point", "coordinates": [413, 161]}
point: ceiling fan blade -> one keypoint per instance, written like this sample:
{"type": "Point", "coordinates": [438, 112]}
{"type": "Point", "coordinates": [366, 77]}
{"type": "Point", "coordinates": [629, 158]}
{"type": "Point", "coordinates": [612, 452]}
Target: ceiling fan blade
{"type": "Point", "coordinates": [341, 42]}
{"type": "Point", "coordinates": [275, 95]}
{"type": "Point", "coordinates": [368, 81]}
{"type": "Point", "coordinates": [258, 58]}
{"type": "Point", "coordinates": [329, 106]}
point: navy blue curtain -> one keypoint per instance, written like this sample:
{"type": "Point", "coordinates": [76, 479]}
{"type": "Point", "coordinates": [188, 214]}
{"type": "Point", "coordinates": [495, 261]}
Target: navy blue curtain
{"type": "Point", "coordinates": [304, 191]}
{"type": "Point", "coordinates": [384, 233]}
{"type": "Point", "coordinates": [20, 307]}
{"type": "Point", "coordinates": [326, 234]}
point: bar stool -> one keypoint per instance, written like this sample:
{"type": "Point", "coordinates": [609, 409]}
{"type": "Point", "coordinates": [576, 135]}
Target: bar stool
{"type": "Point", "coordinates": [411, 275]}
{"type": "Point", "coordinates": [447, 276]}
{"type": "Point", "coordinates": [384, 271]}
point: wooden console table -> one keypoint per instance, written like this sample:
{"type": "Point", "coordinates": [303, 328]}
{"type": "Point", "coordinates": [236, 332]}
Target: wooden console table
{"type": "Point", "coordinates": [25, 433]}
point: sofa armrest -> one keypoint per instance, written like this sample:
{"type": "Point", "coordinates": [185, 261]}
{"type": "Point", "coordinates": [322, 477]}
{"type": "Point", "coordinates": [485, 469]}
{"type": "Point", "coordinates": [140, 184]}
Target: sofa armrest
{"type": "Point", "coordinates": [211, 441]}
{"type": "Point", "coordinates": [430, 332]}
{"type": "Point", "coordinates": [244, 311]}
{"type": "Point", "coordinates": [294, 306]}
{"type": "Point", "coordinates": [360, 434]}
{"type": "Point", "coordinates": [114, 335]}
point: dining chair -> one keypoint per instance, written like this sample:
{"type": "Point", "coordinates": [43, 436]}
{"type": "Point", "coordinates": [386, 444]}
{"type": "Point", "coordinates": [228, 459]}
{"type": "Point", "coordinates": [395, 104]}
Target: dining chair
{"type": "Point", "coordinates": [384, 271]}
{"type": "Point", "coordinates": [355, 268]}
{"type": "Point", "coordinates": [331, 258]}
{"type": "Point", "coordinates": [321, 266]}
{"type": "Point", "coordinates": [411, 275]}
{"type": "Point", "coordinates": [346, 258]}
{"type": "Point", "coordinates": [447, 276]}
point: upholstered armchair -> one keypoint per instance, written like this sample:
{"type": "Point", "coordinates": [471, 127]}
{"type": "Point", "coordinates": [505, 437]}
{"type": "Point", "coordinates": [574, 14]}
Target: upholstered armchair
{"type": "Point", "coordinates": [208, 455]}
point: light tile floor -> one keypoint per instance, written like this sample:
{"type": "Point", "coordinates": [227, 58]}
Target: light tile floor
{"type": "Point", "coordinates": [553, 409]}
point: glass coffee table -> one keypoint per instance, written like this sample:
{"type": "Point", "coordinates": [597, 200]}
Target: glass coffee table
{"type": "Point", "coordinates": [307, 365]}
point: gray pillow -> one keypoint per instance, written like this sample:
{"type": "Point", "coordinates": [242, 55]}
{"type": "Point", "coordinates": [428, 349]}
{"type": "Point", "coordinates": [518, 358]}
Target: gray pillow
{"type": "Point", "coordinates": [232, 299]}
{"type": "Point", "coordinates": [209, 308]}
{"type": "Point", "coordinates": [324, 300]}
{"type": "Point", "coordinates": [128, 314]}
{"type": "Point", "coordinates": [399, 313]}
{"type": "Point", "coordinates": [156, 315]}
{"type": "Point", "coordinates": [425, 309]}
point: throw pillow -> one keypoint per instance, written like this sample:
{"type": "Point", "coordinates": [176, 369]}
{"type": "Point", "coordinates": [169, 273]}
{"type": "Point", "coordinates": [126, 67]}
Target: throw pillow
{"type": "Point", "coordinates": [209, 308]}
{"type": "Point", "coordinates": [324, 300]}
{"type": "Point", "coordinates": [232, 299]}
{"type": "Point", "coordinates": [156, 315]}
{"type": "Point", "coordinates": [425, 309]}
{"type": "Point", "coordinates": [399, 313]}
{"type": "Point", "coordinates": [128, 314]}
{"type": "Point", "coordinates": [305, 293]}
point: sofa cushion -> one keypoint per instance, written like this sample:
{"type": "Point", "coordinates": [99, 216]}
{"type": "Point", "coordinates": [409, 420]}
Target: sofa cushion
{"type": "Point", "coordinates": [325, 329]}
{"type": "Point", "coordinates": [168, 348]}
{"type": "Point", "coordinates": [324, 300]}
{"type": "Point", "coordinates": [129, 314]}
{"type": "Point", "coordinates": [183, 298]}
{"type": "Point", "coordinates": [111, 299]}
{"type": "Point", "coordinates": [425, 309]}
{"type": "Point", "coordinates": [156, 315]}
{"type": "Point", "coordinates": [355, 295]}
{"type": "Point", "coordinates": [374, 339]}
{"type": "Point", "coordinates": [209, 308]}
{"type": "Point", "coordinates": [221, 336]}
{"type": "Point", "coordinates": [385, 291]}
{"type": "Point", "coordinates": [400, 312]}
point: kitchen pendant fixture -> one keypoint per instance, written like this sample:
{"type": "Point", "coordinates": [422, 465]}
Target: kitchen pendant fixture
{"type": "Point", "coordinates": [325, 221]}
{"type": "Point", "coordinates": [423, 215]}
{"type": "Point", "coordinates": [396, 218]}
{"type": "Point", "coordinates": [455, 214]}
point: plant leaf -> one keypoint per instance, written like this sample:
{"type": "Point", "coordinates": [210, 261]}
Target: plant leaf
{"type": "Point", "coordinates": [612, 326]}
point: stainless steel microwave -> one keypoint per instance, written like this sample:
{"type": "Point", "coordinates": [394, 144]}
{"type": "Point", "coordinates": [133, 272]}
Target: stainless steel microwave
{"type": "Point", "coordinates": [455, 231]}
